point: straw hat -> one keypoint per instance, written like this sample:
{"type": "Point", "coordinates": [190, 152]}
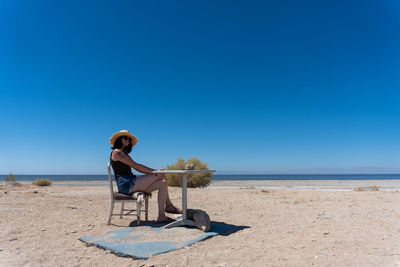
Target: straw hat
{"type": "Point", "coordinates": [122, 133]}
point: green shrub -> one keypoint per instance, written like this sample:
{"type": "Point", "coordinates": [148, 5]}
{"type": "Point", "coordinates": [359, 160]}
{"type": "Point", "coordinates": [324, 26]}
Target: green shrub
{"type": "Point", "coordinates": [10, 179]}
{"type": "Point", "coordinates": [193, 179]}
{"type": "Point", "coordinates": [42, 182]}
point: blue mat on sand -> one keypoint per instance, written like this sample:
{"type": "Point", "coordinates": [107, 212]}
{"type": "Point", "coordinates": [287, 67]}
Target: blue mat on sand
{"type": "Point", "coordinates": [144, 241]}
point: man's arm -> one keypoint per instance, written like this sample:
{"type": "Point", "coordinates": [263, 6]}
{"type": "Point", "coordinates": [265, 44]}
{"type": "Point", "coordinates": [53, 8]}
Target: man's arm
{"type": "Point", "coordinates": [118, 155]}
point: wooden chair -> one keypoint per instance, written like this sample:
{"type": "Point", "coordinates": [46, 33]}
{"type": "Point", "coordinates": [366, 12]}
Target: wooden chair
{"type": "Point", "coordinates": [139, 197]}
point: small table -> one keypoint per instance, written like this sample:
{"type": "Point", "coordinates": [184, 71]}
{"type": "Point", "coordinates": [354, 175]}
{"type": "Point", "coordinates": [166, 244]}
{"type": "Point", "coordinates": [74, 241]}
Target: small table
{"type": "Point", "coordinates": [184, 220]}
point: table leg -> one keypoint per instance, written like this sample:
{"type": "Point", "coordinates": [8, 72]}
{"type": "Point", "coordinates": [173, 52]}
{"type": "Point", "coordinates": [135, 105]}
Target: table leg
{"type": "Point", "coordinates": [183, 220]}
{"type": "Point", "coordinates": [184, 196]}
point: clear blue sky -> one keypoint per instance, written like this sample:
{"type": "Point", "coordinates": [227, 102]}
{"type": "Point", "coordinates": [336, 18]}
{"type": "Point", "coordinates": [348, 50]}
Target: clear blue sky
{"type": "Point", "coordinates": [247, 86]}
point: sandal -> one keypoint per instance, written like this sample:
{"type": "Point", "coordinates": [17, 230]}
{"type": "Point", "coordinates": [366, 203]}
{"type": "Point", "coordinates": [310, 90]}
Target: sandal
{"type": "Point", "coordinates": [172, 209]}
{"type": "Point", "coordinates": [166, 220]}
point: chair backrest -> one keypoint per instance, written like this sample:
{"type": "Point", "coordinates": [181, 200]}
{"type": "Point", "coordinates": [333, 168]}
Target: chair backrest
{"type": "Point", "coordinates": [110, 179]}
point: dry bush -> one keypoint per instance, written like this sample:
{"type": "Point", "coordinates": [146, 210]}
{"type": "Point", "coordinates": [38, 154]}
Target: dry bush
{"type": "Point", "coordinates": [11, 180]}
{"type": "Point", "coordinates": [193, 179]}
{"type": "Point", "coordinates": [367, 188]}
{"type": "Point", "coordinates": [374, 188]}
{"type": "Point", "coordinates": [42, 182]}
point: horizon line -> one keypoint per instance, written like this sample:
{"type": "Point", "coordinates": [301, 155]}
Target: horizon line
{"type": "Point", "coordinates": [237, 173]}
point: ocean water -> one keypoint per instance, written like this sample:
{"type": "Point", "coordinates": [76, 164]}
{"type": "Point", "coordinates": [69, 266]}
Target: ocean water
{"type": "Point", "coordinates": [224, 177]}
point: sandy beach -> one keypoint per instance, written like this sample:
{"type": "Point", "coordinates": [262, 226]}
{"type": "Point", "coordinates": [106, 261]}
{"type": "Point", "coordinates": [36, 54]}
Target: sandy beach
{"type": "Point", "coordinates": [318, 185]}
{"type": "Point", "coordinates": [286, 224]}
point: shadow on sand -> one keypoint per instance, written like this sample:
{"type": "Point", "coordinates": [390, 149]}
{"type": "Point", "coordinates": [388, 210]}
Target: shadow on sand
{"type": "Point", "coordinates": [221, 228]}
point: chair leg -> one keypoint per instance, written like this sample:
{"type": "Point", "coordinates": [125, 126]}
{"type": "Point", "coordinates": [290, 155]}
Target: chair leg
{"type": "Point", "coordinates": [111, 212]}
{"type": "Point", "coordinates": [138, 210]}
{"type": "Point", "coordinates": [146, 207]}
{"type": "Point", "coordinates": [122, 210]}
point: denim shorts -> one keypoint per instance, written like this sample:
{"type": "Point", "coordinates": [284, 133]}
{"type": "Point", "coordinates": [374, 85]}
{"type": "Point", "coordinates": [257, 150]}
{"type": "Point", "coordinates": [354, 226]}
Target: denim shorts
{"type": "Point", "coordinates": [125, 183]}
